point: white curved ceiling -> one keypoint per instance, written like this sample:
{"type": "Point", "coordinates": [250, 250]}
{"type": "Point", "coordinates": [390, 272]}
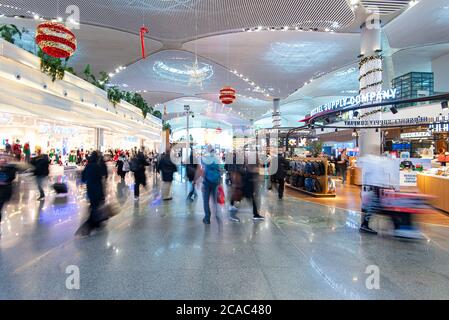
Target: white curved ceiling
{"type": "Point", "coordinates": [104, 49]}
{"type": "Point", "coordinates": [425, 23]}
{"type": "Point", "coordinates": [279, 63]}
{"type": "Point", "coordinates": [175, 19]}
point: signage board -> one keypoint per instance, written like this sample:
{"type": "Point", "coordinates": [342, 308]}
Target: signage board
{"type": "Point", "coordinates": [361, 99]}
{"type": "Point", "coordinates": [413, 135]}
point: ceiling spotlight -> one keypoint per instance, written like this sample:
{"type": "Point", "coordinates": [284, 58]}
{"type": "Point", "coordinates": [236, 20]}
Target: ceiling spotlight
{"type": "Point", "coordinates": [394, 110]}
{"type": "Point", "coordinates": [377, 130]}
{"type": "Point", "coordinates": [336, 130]}
{"type": "Point", "coordinates": [444, 105]}
{"type": "Point", "coordinates": [322, 129]}
{"type": "Point", "coordinates": [355, 114]}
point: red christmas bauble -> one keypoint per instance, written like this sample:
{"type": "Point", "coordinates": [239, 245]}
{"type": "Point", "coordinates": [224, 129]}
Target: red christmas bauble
{"type": "Point", "coordinates": [227, 95]}
{"type": "Point", "coordinates": [55, 39]}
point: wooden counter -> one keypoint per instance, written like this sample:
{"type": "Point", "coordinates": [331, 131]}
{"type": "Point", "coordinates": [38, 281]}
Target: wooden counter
{"type": "Point", "coordinates": [435, 186]}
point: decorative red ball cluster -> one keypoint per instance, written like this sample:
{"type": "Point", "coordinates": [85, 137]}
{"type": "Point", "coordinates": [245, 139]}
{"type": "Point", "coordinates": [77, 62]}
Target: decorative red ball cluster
{"type": "Point", "coordinates": [227, 95]}
{"type": "Point", "coordinates": [55, 39]}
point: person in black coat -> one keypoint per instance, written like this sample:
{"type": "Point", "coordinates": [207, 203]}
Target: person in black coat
{"type": "Point", "coordinates": [166, 168]}
{"type": "Point", "coordinates": [192, 174]}
{"type": "Point", "coordinates": [139, 163]}
{"type": "Point", "coordinates": [7, 176]}
{"type": "Point", "coordinates": [281, 174]}
{"type": "Point", "coordinates": [92, 176]}
{"type": "Point", "coordinates": [41, 165]}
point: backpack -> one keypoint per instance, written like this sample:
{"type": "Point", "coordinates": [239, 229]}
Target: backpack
{"type": "Point", "coordinates": [134, 165]}
{"type": "Point", "coordinates": [212, 173]}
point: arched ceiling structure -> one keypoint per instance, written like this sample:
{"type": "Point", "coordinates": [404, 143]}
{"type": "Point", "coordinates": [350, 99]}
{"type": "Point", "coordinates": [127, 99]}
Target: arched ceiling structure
{"type": "Point", "coordinates": [264, 48]}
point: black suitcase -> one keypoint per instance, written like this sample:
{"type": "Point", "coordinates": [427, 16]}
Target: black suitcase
{"type": "Point", "coordinates": [60, 188]}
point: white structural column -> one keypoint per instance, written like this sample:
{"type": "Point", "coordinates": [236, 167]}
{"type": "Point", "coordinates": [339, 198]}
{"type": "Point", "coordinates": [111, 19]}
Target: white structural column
{"type": "Point", "coordinates": [370, 81]}
{"type": "Point", "coordinates": [276, 113]}
{"type": "Point", "coordinates": [99, 139]}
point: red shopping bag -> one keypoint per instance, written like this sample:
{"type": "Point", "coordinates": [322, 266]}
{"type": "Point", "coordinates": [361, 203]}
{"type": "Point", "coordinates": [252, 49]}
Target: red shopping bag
{"type": "Point", "coordinates": [221, 195]}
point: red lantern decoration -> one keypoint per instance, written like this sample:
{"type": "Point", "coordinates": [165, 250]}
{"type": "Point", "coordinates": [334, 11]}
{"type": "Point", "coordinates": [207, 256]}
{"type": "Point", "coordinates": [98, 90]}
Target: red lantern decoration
{"type": "Point", "coordinates": [218, 130]}
{"type": "Point", "coordinates": [55, 39]}
{"type": "Point", "coordinates": [227, 95]}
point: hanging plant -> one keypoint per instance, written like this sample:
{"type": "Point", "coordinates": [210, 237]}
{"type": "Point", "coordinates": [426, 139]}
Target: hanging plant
{"type": "Point", "coordinates": [157, 114]}
{"type": "Point", "coordinates": [8, 32]}
{"type": "Point", "coordinates": [166, 126]}
{"type": "Point", "coordinates": [53, 67]}
{"type": "Point", "coordinates": [115, 95]}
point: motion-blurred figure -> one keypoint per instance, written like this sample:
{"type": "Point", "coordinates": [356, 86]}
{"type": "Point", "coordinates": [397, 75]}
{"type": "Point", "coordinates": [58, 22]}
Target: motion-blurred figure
{"type": "Point", "coordinates": [92, 176]}
{"type": "Point", "coordinates": [245, 189]}
{"type": "Point", "coordinates": [41, 165]}
{"type": "Point", "coordinates": [192, 175]}
{"type": "Point", "coordinates": [7, 176]}
{"type": "Point", "coordinates": [167, 169]}
{"type": "Point", "coordinates": [122, 166]}
{"type": "Point", "coordinates": [211, 180]}
{"type": "Point", "coordinates": [282, 167]}
{"type": "Point", "coordinates": [138, 165]}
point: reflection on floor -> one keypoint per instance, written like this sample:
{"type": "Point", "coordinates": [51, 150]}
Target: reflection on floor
{"type": "Point", "coordinates": [156, 250]}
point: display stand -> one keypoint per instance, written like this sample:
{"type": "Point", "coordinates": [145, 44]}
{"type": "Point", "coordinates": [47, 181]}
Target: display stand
{"type": "Point", "coordinates": [323, 179]}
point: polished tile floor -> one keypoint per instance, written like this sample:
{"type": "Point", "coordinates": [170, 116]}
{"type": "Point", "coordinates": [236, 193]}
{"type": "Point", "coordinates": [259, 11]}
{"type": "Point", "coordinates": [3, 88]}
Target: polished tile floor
{"type": "Point", "coordinates": [155, 250]}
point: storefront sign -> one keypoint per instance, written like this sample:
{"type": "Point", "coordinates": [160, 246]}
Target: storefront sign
{"type": "Point", "coordinates": [58, 130]}
{"type": "Point", "coordinates": [412, 135]}
{"type": "Point", "coordinates": [361, 99]}
{"type": "Point", "coordinates": [394, 122]}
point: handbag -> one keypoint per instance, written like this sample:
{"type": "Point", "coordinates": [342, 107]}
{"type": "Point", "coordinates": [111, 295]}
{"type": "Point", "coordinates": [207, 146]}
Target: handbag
{"type": "Point", "coordinates": [221, 195]}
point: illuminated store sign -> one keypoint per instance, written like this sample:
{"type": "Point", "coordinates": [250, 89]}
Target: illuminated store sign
{"type": "Point", "coordinates": [361, 99]}
{"type": "Point", "coordinates": [434, 123]}
{"type": "Point", "coordinates": [412, 135]}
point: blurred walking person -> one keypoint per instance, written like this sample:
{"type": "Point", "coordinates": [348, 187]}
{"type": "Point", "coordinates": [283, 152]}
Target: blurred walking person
{"type": "Point", "coordinates": [138, 166]}
{"type": "Point", "coordinates": [192, 175]}
{"type": "Point", "coordinates": [211, 180]}
{"type": "Point", "coordinates": [27, 152]}
{"type": "Point", "coordinates": [122, 166]}
{"type": "Point", "coordinates": [282, 167]}
{"type": "Point", "coordinates": [7, 176]}
{"type": "Point", "coordinates": [92, 176]}
{"type": "Point", "coordinates": [167, 169]}
{"type": "Point", "coordinates": [246, 188]}
{"type": "Point", "coordinates": [41, 165]}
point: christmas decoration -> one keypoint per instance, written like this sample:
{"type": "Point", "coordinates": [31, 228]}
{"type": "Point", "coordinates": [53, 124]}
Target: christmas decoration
{"type": "Point", "coordinates": [218, 130]}
{"type": "Point", "coordinates": [143, 30]}
{"type": "Point", "coordinates": [227, 95]}
{"type": "Point", "coordinates": [55, 39]}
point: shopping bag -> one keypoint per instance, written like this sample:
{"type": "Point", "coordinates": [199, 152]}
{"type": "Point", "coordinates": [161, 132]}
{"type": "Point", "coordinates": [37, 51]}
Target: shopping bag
{"type": "Point", "coordinates": [221, 195]}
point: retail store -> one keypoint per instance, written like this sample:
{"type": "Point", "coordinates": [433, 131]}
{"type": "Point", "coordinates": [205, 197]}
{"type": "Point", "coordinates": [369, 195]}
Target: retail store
{"type": "Point", "coordinates": [66, 115]}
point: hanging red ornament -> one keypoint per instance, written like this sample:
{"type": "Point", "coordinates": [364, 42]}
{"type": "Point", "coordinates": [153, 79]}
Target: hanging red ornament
{"type": "Point", "coordinates": [55, 39]}
{"type": "Point", "coordinates": [218, 130]}
{"type": "Point", "coordinates": [227, 95]}
{"type": "Point", "coordinates": [143, 30]}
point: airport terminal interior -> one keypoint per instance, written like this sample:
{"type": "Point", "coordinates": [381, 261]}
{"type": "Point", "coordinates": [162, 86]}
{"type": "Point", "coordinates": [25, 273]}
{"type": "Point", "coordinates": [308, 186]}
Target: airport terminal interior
{"type": "Point", "coordinates": [224, 149]}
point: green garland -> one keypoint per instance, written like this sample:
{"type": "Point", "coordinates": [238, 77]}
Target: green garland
{"type": "Point", "coordinates": [368, 59]}
{"type": "Point", "coordinates": [370, 72]}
